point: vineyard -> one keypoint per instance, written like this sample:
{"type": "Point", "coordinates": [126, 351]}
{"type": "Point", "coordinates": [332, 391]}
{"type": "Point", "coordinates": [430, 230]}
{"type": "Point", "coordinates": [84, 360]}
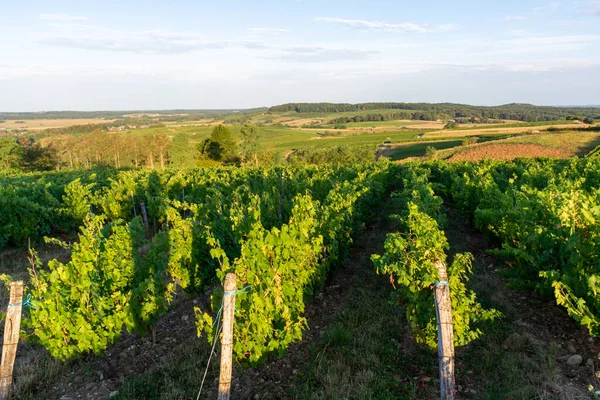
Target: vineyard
{"type": "Point", "coordinates": [146, 237]}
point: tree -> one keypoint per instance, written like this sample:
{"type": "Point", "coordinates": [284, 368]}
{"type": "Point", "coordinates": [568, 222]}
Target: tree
{"type": "Point", "coordinates": [588, 120]}
{"type": "Point", "coordinates": [220, 146]}
{"type": "Point", "coordinates": [38, 158]}
{"type": "Point", "coordinates": [251, 145]}
{"type": "Point", "coordinates": [161, 142]}
{"type": "Point", "coordinates": [430, 152]}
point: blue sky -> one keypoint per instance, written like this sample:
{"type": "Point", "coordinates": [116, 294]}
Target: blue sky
{"type": "Point", "coordinates": [123, 55]}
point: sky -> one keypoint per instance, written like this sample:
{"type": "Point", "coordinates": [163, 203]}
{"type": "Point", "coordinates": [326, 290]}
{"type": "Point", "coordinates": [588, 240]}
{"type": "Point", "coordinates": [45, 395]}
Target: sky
{"type": "Point", "coordinates": [142, 55]}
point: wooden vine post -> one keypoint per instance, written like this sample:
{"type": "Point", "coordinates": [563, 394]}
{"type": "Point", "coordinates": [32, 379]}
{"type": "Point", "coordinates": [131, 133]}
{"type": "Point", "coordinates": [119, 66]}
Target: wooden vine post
{"type": "Point", "coordinates": [227, 340]}
{"type": "Point", "coordinates": [443, 312]}
{"type": "Point", "coordinates": [12, 326]}
{"type": "Point", "coordinates": [145, 217]}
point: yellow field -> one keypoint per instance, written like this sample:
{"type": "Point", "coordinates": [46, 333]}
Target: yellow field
{"type": "Point", "coordinates": [513, 130]}
{"type": "Point", "coordinates": [39, 124]}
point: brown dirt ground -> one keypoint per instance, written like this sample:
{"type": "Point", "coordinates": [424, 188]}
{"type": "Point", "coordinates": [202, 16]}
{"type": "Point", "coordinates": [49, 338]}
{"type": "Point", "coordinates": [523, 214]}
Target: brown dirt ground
{"type": "Point", "coordinates": [508, 152]}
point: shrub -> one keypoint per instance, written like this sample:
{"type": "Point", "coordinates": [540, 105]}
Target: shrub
{"type": "Point", "coordinates": [430, 152]}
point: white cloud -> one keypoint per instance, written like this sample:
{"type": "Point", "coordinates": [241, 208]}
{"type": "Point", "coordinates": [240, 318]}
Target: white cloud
{"type": "Point", "coordinates": [552, 6]}
{"type": "Point", "coordinates": [62, 17]}
{"type": "Point", "coordinates": [446, 28]}
{"type": "Point", "coordinates": [163, 42]}
{"type": "Point", "coordinates": [364, 25]}
{"type": "Point", "coordinates": [559, 64]}
{"type": "Point", "coordinates": [155, 41]}
{"type": "Point", "coordinates": [267, 31]}
{"type": "Point", "coordinates": [570, 22]}
{"type": "Point", "coordinates": [311, 54]}
{"type": "Point", "coordinates": [543, 44]}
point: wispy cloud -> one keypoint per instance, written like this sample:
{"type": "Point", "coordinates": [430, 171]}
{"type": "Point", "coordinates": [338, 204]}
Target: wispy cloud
{"type": "Point", "coordinates": [570, 22]}
{"type": "Point", "coordinates": [515, 18]}
{"type": "Point", "coordinates": [155, 41]}
{"type": "Point", "coordinates": [62, 17]}
{"type": "Point", "coordinates": [312, 54]}
{"type": "Point", "coordinates": [543, 44]}
{"type": "Point", "coordinates": [446, 28]}
{"type": "Point", "coordinates": [139, 43]}
{"type": "Point", "coordinates": [364, 25]}
{"type": "Point", "coordinates": [267, 31]}
{"type": "Point", "coordinates": [591, 8]}
{"type": "Point", "coordinates": [552, 6]}
{"type": "Point", "coordinates": [163, 42]}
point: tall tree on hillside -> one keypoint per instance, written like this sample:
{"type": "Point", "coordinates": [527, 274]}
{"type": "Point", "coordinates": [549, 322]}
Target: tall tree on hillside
{"type": "Point", "coordinates": [69, 147]}
{"type": "Point", "coordinates": [251, 145]}
{"type": "Point", "coordinates": [134, 150]}
{"type": "Point", "coordinates": [161, 143]}
{"type": "Point", "coordinates": [222, 147]}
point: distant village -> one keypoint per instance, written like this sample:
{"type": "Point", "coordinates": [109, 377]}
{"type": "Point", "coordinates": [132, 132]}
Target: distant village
{"type": "Point", "coordinates": [126, 127]}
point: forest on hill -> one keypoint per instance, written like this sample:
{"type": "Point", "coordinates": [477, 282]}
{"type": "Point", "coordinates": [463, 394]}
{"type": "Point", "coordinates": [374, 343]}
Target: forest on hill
{"type": "Point", "coordinates": [119, 114]}
{"type": "Point", "coordinates": [434, 111]}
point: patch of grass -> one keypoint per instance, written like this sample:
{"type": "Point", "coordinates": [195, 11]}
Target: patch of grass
{"type": "Point", "coordinates": [505, 362]}
{"type": "Point", "coordinates": [367, 352]}
{"type": "Point", "coordinates": [178, 377]}
{"type": "Point", "coordinates": [38, 374]}
{"type": "Point", "coordinates": [362, 355]}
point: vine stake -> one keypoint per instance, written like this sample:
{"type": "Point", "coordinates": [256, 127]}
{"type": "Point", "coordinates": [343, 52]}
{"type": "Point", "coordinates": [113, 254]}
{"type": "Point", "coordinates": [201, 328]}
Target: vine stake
{"type": "Point", "coordinates": [11, 337]}
{"type": "Point", "coordinates": [227, 340]}
{"type": "Point", "coordinates": [443, 312]}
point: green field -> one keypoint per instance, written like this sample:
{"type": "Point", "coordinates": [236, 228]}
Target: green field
{"type": "Point", "coordinates": [419, 149]}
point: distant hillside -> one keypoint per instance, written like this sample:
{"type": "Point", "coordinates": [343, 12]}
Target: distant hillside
{"type": "Point", "coordinates": [514, 111]}
{"type": "Point", "coordinates": [118, 114]}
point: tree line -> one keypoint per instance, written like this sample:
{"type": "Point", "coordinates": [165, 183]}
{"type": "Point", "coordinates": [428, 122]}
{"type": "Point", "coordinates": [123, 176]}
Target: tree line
{"type": "Point", "coordinates": [514, 111]}
{"type": "Point", "coordinates": [375, 117]}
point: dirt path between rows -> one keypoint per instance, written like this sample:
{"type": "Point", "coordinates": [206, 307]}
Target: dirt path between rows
{"type": "Point", "coordinates": [536, 337]}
